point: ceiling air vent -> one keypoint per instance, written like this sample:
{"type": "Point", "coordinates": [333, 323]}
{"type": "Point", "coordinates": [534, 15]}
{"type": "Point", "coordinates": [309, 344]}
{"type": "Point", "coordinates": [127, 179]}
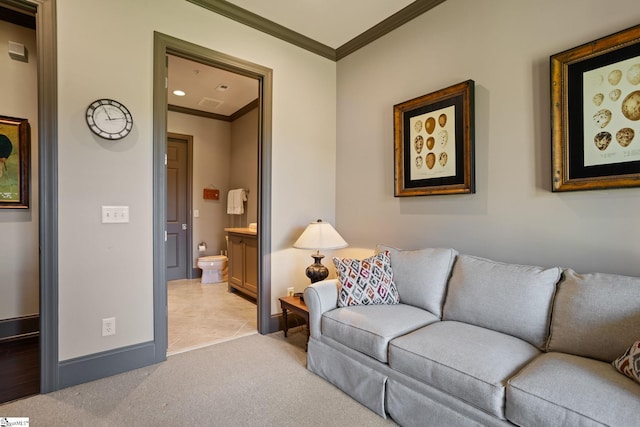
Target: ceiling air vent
{"type": "Point", "coordinates": [210, 102]}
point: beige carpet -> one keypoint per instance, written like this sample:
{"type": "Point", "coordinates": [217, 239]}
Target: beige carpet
{"type": "Point", "coordinates": [257, 380]}
{"type": "Point", "coordinates": [204, 314]}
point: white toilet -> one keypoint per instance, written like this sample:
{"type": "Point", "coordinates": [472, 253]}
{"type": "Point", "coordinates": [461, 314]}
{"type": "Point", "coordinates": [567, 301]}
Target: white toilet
{"type": "Point", "coordinates": [214, 268]}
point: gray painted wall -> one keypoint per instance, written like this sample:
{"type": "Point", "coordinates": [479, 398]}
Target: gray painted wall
{"type": "Point", "coordinates": [505, 47]}
{"type": "Point", "coordinates": [244, 163]}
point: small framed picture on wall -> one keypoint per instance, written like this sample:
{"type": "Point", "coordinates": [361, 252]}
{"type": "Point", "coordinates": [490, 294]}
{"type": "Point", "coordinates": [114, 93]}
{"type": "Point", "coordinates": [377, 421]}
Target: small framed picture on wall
{"type": "Point", "coordinates": [15, 135]}
{"type": "Point", "coordinates": [434, 143]}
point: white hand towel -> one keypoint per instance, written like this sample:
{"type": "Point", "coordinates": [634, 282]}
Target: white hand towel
{"type": "Point", "coordinates": [235, 201]}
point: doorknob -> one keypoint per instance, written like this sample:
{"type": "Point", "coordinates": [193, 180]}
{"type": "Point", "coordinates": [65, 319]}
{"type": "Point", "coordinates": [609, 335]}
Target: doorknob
{"type": "Point", "coordinates": [184, 226]}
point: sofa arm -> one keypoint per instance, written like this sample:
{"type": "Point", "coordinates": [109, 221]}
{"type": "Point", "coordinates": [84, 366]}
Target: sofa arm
{"type": "Point", "coordinates": [320, 297]}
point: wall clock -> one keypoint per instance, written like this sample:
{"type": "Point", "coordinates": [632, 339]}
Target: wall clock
{"type": "Point", "coordinates": [109, 119]}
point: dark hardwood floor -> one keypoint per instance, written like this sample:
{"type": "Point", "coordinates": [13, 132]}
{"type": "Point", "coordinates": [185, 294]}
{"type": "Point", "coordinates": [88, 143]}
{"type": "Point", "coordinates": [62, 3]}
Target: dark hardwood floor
{"type": "Point", "coordinates": [19, 368]}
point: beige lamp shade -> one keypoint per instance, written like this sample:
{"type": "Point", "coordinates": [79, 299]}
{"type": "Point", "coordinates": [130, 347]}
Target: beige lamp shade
{"type": "Point", "coordinates": [320, 235]}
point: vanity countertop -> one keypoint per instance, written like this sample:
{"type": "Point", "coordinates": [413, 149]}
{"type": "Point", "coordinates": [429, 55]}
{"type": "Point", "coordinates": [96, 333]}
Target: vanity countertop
{"type": "Point", "coordinates": [242, 230]}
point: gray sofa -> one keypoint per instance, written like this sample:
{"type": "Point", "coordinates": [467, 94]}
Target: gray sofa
{"type": "Point", "coordinates": [478, 342]}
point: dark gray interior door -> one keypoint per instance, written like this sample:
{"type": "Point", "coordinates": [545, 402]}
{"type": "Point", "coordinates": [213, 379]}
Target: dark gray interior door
{"type": "Point", "coordinates": [176, 244]}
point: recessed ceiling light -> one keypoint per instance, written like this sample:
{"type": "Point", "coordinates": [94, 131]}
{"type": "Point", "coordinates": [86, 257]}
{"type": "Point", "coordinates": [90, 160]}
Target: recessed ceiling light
{"type": "Point", "coordinates": [179, 93]}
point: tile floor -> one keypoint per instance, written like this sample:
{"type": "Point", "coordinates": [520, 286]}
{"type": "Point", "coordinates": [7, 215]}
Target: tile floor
{"type": "Point", "coordinates": [205, 314]}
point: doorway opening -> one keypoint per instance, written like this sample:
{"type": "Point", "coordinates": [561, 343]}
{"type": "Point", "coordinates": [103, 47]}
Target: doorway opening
{"type": "Point", "coordinates": [208, 310]}
{"type": "Point", "coordinates": [44, 12]}
{"type": "Point", "coordinates": [213, 113]}
{"type": "Point", "coordinates": [165, 45]}
{"type": "Point", "coordinates": [19, 222]}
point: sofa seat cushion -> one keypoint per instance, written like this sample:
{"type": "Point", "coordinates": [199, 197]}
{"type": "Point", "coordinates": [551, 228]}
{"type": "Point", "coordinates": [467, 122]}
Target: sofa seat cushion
{"type": "Point", "coordinates": [369, 328]}
{"type": "Point", "coordinates": [466, 361]}
{"type": "Point", "coordinates": [562, 389]}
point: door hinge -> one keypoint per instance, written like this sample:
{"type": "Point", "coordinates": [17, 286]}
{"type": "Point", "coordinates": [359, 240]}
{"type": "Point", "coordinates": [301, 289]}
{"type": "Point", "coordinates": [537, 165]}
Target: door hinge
{"type": "Point", "coordinates": [165, 235]}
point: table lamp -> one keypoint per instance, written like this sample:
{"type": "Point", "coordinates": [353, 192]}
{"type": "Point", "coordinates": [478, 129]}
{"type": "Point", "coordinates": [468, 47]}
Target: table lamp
{"type": "Point", "coordinates": [319, 235]}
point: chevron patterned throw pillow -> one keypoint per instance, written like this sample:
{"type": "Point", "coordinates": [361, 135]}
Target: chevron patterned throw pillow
{"type": "Point", "coordinates": [629, 362]}
{"type": "Point", "coordinates": [366, 282]}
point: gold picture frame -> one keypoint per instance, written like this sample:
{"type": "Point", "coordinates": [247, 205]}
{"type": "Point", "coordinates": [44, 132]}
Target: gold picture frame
{"type": "Point", "coordinates": [434, 143]}
{"type": "Point", "coordinates": [15, 135]}
{"type": "Point", "coordinates": [595, 114]}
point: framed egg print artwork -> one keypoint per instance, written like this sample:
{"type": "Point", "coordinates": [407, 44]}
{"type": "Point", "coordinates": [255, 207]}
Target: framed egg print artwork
{"type": "Point", "coordinates": [14, 162]}
{"type": "Point", "coordinates": [595, 114]}
{"type": "Point", "coordinates": [434, 143]}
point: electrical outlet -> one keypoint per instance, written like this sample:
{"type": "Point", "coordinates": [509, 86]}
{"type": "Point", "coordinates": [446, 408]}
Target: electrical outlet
{"type": "Point", "coordinates": [108, 326]}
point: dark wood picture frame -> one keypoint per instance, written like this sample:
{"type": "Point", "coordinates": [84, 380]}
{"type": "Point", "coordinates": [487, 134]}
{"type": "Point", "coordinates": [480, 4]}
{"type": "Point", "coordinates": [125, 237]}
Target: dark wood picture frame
{"type": "Point", "coordinates": [595, 114]}
{"type": "Point", "coordinates": [434, 143]}
{"type": "Point", "coordinates": [15, 145]}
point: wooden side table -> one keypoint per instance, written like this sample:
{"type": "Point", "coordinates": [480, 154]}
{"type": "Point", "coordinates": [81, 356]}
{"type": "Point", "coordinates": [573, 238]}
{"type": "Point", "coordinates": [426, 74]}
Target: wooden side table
{"type": "Point", "coordinates": [297, 306]}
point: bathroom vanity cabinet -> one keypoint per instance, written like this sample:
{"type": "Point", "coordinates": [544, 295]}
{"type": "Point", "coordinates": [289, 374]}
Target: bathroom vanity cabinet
{"type": "Point", "coordinates": [243, 261]}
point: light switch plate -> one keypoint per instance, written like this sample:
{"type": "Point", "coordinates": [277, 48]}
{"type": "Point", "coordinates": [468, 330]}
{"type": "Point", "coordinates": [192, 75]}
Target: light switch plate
{"type": "Point", "coordinates": [115, 214]}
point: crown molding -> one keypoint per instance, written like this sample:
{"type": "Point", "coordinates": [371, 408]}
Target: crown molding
{"type": "Point", "coordinates": [206, 114]}
{"type": "Point", "coordinates": [244, 110]}
{"type": "Point", "coordinates": [18, 13]}
{"type": "Point", "coordinates": [396, 20]}
{"type": "Point", "coordinates": [199, 113]}
{"type": "Point", "coordinates": [252, 20]}
{"type": "Point", "coordinates": [21, 5]}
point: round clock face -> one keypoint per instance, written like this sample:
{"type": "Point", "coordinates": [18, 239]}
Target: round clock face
{"type": "Point", "coordinates": [109, 119]}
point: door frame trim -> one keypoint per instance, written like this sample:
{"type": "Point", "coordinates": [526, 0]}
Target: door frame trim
{"type": "Point", "coordinates": [46, 36]}
{"type": "Point", "coordinates": [163, 45]}
{"type": "Point", "coordinates": [188, 139]}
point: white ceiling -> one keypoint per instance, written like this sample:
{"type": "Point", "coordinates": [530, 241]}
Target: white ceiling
{"type": "Point", "coordinates": [201, 84]}
{"type": "Point", "coordinates": [330, 22]}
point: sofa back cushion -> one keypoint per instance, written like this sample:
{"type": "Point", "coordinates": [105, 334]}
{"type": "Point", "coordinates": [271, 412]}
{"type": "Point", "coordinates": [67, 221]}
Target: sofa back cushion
{"type": "Point", "coordinates": [595, 315]}
{"type": "Point", "coordinates": [421, 275]}
{"type": "Point", "coordinates": [508, 298]}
